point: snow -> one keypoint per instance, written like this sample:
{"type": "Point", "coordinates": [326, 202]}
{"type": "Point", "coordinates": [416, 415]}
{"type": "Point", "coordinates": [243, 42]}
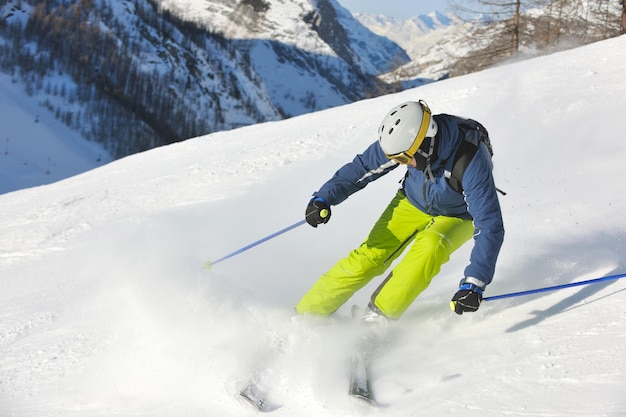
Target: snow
{"type": "Point", "coordinates": [415, 35]}
{"type": "Point", "coordinates": [284, 23]}
{"type": "Point", "coordinates": [105, 309]}
{"type": "Point", "coordinates": [35, 148]}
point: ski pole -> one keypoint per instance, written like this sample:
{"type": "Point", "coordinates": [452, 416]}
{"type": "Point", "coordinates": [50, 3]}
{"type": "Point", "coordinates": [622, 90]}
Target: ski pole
{"type": "Point", "coordinates": [209, 264]}
{"type": "Point", "coordinates": [555, 287]}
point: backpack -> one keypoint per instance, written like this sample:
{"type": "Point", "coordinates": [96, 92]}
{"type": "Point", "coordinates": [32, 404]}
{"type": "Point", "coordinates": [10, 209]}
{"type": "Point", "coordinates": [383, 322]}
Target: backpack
{"type": "Point", "coordinates": [473, 135]}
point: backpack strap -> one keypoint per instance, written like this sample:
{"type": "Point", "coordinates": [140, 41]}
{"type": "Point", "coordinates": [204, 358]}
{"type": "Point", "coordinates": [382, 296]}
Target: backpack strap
{"type": "Point", "coordinates": [464, 155]}
{"type": "Point", "coordinates": [462, 159]}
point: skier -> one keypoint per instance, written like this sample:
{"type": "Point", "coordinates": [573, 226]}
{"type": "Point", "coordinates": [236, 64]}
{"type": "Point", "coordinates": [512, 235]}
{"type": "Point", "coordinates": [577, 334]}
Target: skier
{"type": "Point", "coordinates": [427, 215]}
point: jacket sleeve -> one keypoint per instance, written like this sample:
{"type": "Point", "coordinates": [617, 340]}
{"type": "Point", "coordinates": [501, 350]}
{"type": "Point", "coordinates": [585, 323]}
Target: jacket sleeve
{"type": "Point", "coordinates": [482, 202]}
{"type": "Point", "coordinates": [354, 176]}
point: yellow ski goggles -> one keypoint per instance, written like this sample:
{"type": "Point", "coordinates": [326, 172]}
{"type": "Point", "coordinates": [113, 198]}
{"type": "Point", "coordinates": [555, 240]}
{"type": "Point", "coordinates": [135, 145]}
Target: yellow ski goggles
{"type": "Point", "coordinates": [406, 156]}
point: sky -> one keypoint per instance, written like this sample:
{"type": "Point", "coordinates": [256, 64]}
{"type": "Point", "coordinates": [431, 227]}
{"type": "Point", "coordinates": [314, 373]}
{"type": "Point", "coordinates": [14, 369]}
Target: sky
{"type": "Point", "coordinates": [106, 309]}
{"type": "Point", "coordinates": [401, 9]}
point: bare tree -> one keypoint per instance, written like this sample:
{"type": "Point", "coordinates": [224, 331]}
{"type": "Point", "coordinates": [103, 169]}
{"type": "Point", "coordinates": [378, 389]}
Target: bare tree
{"type": "Point", "coordinates": [550, 21]}
{"type": "Point", "coordinates": [507, 12]}
{"type": "Point", "coordinates": [623, 2]}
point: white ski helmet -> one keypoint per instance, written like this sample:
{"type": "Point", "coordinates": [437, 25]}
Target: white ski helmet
{"type": "Point", "coordinates": [404, 128]}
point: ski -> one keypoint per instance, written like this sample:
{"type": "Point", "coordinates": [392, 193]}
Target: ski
{"type": "Point", "coordinates": [367, 344]}
{"type": "Point", "coordinates": [360, 386]}
{"type": "Point", "coordinates": [371, 333]}
{"type": "Point", "coordinates": [258, 398]}
{"type": "Point", "coordinates": [257, 389]}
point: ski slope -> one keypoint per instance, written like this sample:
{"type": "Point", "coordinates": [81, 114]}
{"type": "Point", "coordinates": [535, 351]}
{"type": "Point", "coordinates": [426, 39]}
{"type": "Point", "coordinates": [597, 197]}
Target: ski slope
{"type": "Point", "coordinates": [105, 309]}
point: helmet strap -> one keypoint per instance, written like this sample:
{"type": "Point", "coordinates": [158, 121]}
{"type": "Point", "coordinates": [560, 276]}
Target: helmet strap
{"type": "Point", "coordinates": [427, 158]}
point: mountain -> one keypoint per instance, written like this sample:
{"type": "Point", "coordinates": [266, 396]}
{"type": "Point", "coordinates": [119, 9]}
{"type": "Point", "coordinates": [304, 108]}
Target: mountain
{"type": "Point", "coordinates": [106, 310]}
{"type": "Point", "coordinates": [138, 74]}
{"type": "Point", "coordinates": [131, 76]}
{"type": "Point", "coordinates": [417, 34]}
{"type": "Point", "coordinates": [36, 148]}
{"type": "Point", "coordinates": [443, 46]}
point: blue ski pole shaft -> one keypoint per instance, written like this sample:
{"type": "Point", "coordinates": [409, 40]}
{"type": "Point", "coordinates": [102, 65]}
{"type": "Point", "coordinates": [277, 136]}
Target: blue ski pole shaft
{"type": "Point", "coordinates": [555, 287]}
{"type": "Point", "coordinates": [209, 264]}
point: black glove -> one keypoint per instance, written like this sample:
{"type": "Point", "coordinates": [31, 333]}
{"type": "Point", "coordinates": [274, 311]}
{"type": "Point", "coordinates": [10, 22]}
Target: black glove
{"type": "Point", "coordinates": [466, 299]}
{"type": "Point", "coordinates": [317, 212]}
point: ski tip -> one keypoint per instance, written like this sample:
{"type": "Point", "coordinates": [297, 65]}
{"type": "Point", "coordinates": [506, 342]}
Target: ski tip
{"type": "Point", "coordinates": [208, 265]}
{"type": "Point", "coordinates": [366, 400]}
{"type": "Point", "coordinates": [258, 399]}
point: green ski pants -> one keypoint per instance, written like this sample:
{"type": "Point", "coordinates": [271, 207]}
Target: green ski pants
{"type": "Point", "coordinates": [432, 239]}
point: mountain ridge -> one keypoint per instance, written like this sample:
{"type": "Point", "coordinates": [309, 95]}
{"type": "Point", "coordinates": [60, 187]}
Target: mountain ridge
{"type": "Point", "coordinates": [220, 66]}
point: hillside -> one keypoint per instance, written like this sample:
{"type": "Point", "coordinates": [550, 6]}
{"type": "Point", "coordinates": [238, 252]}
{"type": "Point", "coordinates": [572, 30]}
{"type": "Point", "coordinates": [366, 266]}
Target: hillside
{"type": "Point", "coordinates": [106, 310]}
{"type": "Point", "coordinates": [139, 74]}
{"type": "Point", "coordinates": [416, 34]}
{"type": "Point", "coordinates": [477, 38]}
{"type": "Point", "coordinates": [36, 148]}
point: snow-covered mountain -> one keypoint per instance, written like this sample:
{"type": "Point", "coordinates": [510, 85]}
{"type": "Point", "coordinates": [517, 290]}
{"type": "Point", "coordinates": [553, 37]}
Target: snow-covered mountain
{"type": "Point", "coordinates": [133, 75]}
{"type": "Point", "coordinates": [36, 148]}
{"type": "Point", "coordinates": [105, 309]}
{"type": "Point", "coordinates": [417, 34]}
{"type": "Point", "coordinates": [443, 46]}
{"type": "Point", "coordinates": [320, 27]}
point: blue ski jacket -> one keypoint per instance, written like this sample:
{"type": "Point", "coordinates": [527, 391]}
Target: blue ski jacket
{"type": "Point", "coordinates": [478, 201]}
